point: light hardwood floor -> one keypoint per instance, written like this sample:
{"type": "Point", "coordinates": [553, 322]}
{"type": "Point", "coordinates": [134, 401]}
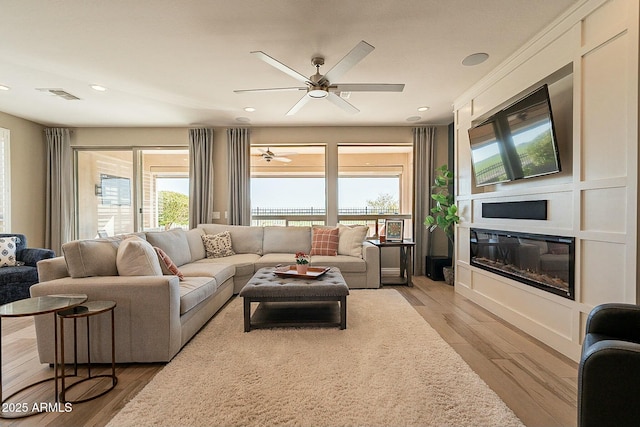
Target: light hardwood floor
{"type": "Point", "coordinates": [536, 382]}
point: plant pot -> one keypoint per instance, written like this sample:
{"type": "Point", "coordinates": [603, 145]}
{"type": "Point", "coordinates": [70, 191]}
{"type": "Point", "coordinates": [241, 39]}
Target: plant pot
{"type": "Point", "coordinates": [449, 275]}
{"type": "Point", "coordinates": [302, 268]}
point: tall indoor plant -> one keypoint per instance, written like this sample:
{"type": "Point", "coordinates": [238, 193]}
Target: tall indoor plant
{"type": "Point", "coordinates": [444, 214]}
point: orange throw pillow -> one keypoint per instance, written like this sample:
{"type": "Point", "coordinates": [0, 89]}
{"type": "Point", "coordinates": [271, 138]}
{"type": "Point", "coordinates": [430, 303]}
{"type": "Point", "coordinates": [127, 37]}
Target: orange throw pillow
{"type": "Point", "coordinates": [167, 265]}
{"type": "Point", "coordinates": [324, 241]}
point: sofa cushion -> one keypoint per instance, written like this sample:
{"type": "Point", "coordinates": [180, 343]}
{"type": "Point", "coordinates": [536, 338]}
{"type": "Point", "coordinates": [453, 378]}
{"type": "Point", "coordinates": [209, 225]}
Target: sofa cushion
{"type": "Point", "coordinates": [18, 274]}
{"type": "Point", "coordinates": [167, 266]}
{"type": "Point", "coordinates": [346, 263]}
{"type": "Point", "coordinates": [86, 258]}
{"type": "Point", "coordinates": [324, 241]}
{"type": "Point", "coordinates": [136, 257]}
{"type": "Point", "coordinates": [194, 290]}
{"type": "Point", "coordinates": [245, 239]}
{"type": "Point", "coordinates": [286, 240]}
{"type": "Point", "coordinates": [351, 238]}
{"type": "Point", "coordinates": [220, 271]}
{"type": "Point", "coordinates": [8, 251]}
{"type": "Point", "coordinates": [218, 245]}
{"type": "Point", "coordinates": [194, 238]}
{"type": "Point", "coordinates": [244, 263]}
{"type": "Point", "coordinates": [271, 260]}
{"type": "Point", "coordinates": [173, 242]}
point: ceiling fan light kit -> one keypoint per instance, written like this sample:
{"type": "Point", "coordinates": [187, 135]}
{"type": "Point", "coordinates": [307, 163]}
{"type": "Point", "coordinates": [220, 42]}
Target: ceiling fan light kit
{"type": "Point", "coordinates": [319, 86]}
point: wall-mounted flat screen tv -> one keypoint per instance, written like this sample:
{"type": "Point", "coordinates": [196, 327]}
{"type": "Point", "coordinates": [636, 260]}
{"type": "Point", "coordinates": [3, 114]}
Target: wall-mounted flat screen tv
{"type": "Point", "coordinates": [517, 142]}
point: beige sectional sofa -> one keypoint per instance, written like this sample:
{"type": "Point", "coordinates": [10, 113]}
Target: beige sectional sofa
{"type": "Point", "coordinates": [158, 313]}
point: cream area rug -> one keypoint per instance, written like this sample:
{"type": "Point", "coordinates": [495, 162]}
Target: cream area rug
{"type": "Point", "coordinates": [388, 368]}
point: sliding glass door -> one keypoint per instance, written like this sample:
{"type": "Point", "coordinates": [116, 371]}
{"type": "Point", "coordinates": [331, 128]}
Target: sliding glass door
{"type": "Point", "coordinates": [104, 189]}
{"type": "Point", "coordinates": [124, 191]}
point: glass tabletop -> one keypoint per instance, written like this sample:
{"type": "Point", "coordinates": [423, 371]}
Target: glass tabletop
{"type": "Point", "coordinates": [41, 305]}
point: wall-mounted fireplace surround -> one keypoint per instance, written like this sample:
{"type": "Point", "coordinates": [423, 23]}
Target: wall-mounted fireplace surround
{"type": "Point", "coordinates": [546, 262]}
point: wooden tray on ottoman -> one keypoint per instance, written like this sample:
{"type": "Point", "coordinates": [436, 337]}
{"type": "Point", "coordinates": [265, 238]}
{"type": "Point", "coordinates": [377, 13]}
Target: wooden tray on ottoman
{"type": "Point", "coordinates": [291, 271]}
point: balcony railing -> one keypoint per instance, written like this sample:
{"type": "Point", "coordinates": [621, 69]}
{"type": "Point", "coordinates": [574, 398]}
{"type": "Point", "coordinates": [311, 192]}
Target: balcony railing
{"type": "Point", "coordinates": [373, 218]}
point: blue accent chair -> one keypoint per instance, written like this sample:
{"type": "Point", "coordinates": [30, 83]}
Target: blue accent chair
{"type": "Point", "coordinates": [15, 281]}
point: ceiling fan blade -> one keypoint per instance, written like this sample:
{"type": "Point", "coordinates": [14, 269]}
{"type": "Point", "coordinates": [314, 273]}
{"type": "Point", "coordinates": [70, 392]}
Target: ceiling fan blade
{"type": "Point", "coordinates": [281, 159]}
{"type": "Point", "coordinates": [342, 103]}
{"type": "Point", "coordinates": [273, 89]}
{"type": "Point", "coordinates": [285, 153]}
{"type": "Point", "coordinates": [368, 87]}
{"type": "Point", "coordinates": [298, 105]}
{"type": "Point", "coordinates": [280, 66]}
{"type": "Point", "coordinates": [356, 55]}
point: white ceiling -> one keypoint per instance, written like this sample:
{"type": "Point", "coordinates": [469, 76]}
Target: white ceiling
{"type": "Point", "coordinates": [177, 62]}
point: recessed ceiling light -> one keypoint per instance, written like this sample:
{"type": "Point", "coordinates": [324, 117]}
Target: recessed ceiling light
{"type": "Point", "coordinates": [413, 118]}
{"type": "Point", "coordinates": [425, 108]}
{"type": "Point", "coordinates": [475, 59]}
{"type": "Point", "coordinates": [3, 87]}
{"type": "Point", "coordinates": [99, 88]}
{"type": "Point", "coordinates": [249, 109]}
{"type": "Point", "coordinates": [243, 119]}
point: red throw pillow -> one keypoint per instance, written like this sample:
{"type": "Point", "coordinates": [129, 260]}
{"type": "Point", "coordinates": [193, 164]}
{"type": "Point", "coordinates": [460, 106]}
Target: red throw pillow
{"type": "Point", "coordinates": [324, 241]}
{"type": "Point", "coordinates": [167, 265]}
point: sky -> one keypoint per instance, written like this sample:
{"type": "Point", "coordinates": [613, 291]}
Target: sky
{"type": "Point", "coordinates": [302, 192]}
{"type": "Point", "coordinates": [309, 192]}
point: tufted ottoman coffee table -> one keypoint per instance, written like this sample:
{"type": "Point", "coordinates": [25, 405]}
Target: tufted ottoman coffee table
{"type": "Point", "coordinates": [292, 301]}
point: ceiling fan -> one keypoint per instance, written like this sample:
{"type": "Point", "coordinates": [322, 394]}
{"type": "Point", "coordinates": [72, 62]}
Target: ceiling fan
{"type": "Point", "coordinates": [320, 86]}
{"type": "Point", "coordinates": [269, 155]}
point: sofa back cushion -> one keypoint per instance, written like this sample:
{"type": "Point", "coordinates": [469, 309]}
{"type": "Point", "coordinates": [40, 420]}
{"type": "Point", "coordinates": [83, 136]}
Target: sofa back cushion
{"type": "Point", "coordinates": [86, 258]}
{"type": "Point", "coordinates": [244, 239]}
{"type": "Point", "coordinates": [173, 242]}
{"type": "Point", "coordinates": [194, 238]}
{"type": "Point", "coordinates": [286, 240]}
{"type": "Point", "coordinates": [136, 257]}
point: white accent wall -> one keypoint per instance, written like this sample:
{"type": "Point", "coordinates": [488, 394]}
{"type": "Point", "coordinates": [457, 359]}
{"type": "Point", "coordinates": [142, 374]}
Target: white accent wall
{"type": "Point", "coordinates": [589, 59]}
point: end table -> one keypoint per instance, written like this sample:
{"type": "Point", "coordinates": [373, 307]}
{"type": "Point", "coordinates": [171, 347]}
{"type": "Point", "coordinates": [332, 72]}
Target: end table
{"type": "Point", "coordinates": [86, 310]}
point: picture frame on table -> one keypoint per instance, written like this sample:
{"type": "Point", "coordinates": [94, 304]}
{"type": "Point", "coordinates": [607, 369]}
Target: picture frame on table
{"type": "Point", "coordinates": [394, 230]}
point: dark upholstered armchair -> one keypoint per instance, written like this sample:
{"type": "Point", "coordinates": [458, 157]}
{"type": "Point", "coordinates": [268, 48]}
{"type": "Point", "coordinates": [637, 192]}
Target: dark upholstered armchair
{"type": "Point", "coordinates": [15, 281]}
{"type": "Point", "coordinates": [609, 371]}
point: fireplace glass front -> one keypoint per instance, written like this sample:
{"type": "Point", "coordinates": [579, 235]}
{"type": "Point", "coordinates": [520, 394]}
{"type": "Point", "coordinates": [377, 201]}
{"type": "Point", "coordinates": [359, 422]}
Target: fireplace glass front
{"type": "Point", "coordinates": [546, 262]}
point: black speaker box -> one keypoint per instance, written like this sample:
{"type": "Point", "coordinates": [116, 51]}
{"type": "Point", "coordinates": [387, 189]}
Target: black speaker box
{"type": "Point", "coordinates": [434, 267]}
{"type": "Point", "coordinates": [530, 209]}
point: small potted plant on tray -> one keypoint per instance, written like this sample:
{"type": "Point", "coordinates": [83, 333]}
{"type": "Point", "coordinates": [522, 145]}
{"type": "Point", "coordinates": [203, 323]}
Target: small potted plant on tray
{"type": "Point", "coordinates": [302, 262]}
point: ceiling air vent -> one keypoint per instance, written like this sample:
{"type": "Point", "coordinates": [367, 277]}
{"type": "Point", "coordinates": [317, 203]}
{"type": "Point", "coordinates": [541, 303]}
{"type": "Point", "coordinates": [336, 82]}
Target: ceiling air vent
{"type": "Point", "coordinates": [60, 92]}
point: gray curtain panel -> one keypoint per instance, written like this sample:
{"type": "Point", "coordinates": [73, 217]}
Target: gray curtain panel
{"type": "Point", "coordinates": [59, 192]}
{"type": "Point", "coordinates": [239, 143]}
{"type": "Point", "coordinates": [423, 167]}
{"type": "Point", "coordinates": [200, 176]}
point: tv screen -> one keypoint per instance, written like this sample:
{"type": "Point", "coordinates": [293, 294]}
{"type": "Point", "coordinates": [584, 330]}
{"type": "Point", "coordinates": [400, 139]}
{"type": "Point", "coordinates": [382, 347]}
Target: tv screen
{"type": "Point", "coordinates": [517, 142]}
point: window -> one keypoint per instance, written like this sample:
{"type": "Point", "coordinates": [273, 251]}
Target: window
{"type": "Point", "coordinates": [375, 184]}
{"type": "Point", "coordinates": [371, 183]}
{"type": "Point", "coordinates": [123, 191]}
{"type": "Point", "coordinates": [5, 182]}
{"type": "Point", "coordinates": [288, 185]}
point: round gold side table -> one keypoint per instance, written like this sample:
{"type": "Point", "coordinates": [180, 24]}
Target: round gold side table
{"type": "Point", "coordinates": [86, 310]}
{"type": "Point", "coordinates": [33, 307]}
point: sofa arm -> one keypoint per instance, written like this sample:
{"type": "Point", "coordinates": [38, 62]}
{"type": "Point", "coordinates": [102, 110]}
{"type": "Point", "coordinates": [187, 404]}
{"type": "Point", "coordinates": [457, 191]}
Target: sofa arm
{"type": "Point", "coordinates": [615, 320]}
{"type": "Point", "coordinates": [31, 256]}
{"type": "Point", "coordinates": [51, 269]}
{"type": "Point", "coordinates": [371, 255]}
{"type": "Point", "coordinates": [147, 318]}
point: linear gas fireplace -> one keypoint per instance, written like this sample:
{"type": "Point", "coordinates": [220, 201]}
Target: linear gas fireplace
{"type": "Point", "coordinates": [546, 262]}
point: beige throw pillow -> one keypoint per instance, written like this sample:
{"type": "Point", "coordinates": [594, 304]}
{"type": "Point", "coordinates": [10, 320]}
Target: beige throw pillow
{"type": "Point", "coordinates": [350, 239]}
{"type": "Point", "coordinates": [8, 251]}
{"type": "Point", "coordinates": [218, 245]}
{"type": "Point", "coordinates": [136, 257]}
